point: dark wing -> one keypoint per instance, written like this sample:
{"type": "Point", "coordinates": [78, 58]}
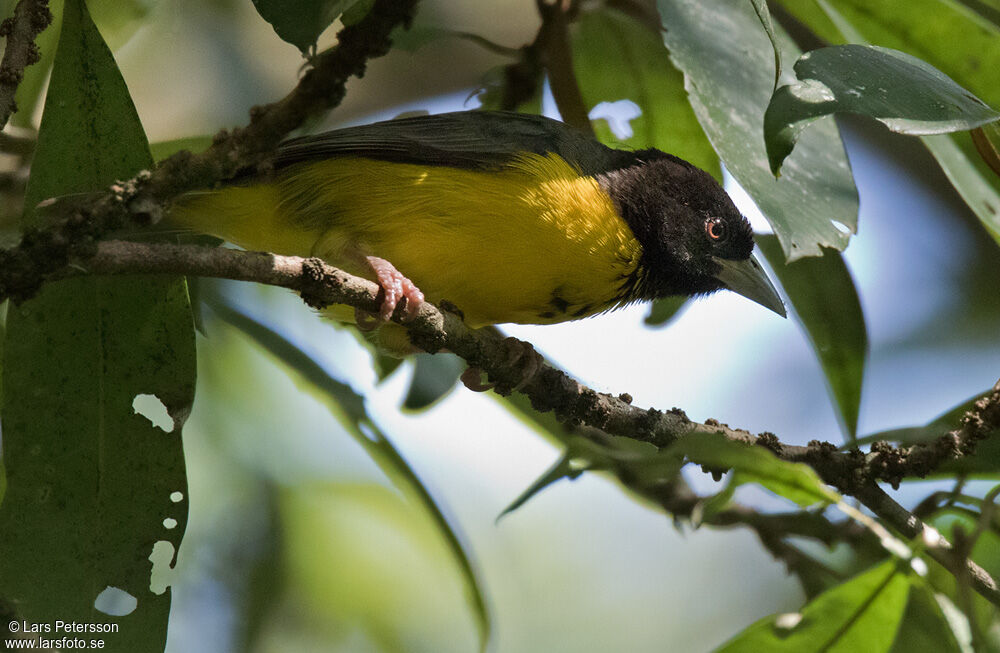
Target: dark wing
{"type": "Point", "coordinates": [466, 139]}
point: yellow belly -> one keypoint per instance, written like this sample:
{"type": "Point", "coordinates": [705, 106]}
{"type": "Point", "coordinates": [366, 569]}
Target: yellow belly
{"type": "Point", "coordinates": [534, 243]}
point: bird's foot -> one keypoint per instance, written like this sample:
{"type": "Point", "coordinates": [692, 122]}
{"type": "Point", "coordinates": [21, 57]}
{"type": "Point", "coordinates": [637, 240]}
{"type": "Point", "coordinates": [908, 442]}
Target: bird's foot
{"type": "Point", "coordinates": [395, 288]}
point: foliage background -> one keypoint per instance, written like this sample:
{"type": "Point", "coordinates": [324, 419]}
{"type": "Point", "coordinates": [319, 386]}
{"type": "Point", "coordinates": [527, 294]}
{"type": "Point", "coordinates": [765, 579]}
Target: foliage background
{"type": "Point", "coordinates": [297, 541]}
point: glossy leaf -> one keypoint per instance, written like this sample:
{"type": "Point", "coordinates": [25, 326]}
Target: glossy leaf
{"type": "Point", "coordinates": [862, 614]}
{"type": "Point", "coordinates": [764, 15]}
{"type": "Point", "coordinates": [433, 377]}
{"type": "Point", "coordinates": [823, 298]}
{"type": "Point", "coordinates": [350, 409]}
{"type": "Point", "coordinates": [727, 60]}
{"type": "Point", "coordinates": [794, 481]}
{"type": "Point", "coordinates": [90, 481]}
{"type": "Point", "coordinates": [902, 92]}
{"type": "Point", "coordinates": [300, 22]}
{"type": "Point", "coordinates": [946, 34]}
{"type": "Point", "coordinates": [615, 58]}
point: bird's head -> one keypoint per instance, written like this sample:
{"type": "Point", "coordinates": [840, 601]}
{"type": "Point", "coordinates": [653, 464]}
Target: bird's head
{"type": "Point", "coordinates": [694, 239]}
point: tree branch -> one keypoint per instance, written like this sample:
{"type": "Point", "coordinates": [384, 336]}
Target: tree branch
{"type": "Point", "coordinates": [29, 19]}
{"type": "Point", "coordinates": [512, 364]}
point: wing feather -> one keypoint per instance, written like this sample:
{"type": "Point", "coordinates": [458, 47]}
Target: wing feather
{"type": "Point", "coordinates": [465, 139]}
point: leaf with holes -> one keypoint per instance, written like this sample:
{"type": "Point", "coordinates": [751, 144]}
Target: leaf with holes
{"type": "Point", "coordinates": [615, 57]}
{"type": "Point", "coordinates": [950, 37]}
{"type": "Point", "coordinates": [728, 62]}
{"type": "Point", "coordinates": [89, 481]}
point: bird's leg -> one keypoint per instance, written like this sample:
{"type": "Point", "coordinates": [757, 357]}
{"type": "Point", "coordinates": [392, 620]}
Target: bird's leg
{"type": "Point", "coordinates": [395, 288]}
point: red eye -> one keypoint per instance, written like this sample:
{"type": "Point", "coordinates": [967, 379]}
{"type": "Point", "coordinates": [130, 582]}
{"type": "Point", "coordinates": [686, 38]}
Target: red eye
{"type": "Point", "coordinates": [716, 229]}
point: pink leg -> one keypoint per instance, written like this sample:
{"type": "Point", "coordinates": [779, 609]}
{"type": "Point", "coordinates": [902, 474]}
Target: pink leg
{"type": "Point", "coordinates": [395, 288]}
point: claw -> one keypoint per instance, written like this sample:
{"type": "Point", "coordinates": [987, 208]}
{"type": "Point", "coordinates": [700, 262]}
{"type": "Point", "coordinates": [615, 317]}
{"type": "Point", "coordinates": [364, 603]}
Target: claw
{"type": "Point", "coordinates": [395, 288]}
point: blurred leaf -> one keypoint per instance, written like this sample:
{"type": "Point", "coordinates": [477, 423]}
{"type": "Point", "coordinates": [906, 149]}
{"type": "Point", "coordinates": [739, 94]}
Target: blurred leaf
{"type": "Point", "coordinates": [924, 627]}
{"type": "Point", "coordinates": [979, 193]}
{"type": "Point", "coordinates": [357, 12]}
{"type": "Point", "coordinates": [662, 311]}
{"type": "Point", "coordinates": [384, 364]}
{"type": "Point", "coordinates": [497, 83]}
{"type": "Point", "coordinates": [986, 139]}
{"type": "Point", "coordinates": [764, 14]}
{"type": "Point", "coordinates": [3, 481]}
{"type": "Point", "coordinates": [90, 480]}
{"type": "Point", "coordinates": [729, 86]}
{"type": "Point", "coordinates": [260, 586]}
{"type": "Point", "coordinates": [950, 37]}
{"type": "Point", "coordinates": [616, 57]}
{"type": "Point", "coordinates": [559, 470]}
{"type": "Point", "coordinates": [934, 429]}
{"type": "Point", "coordinates": [794, 481]}
{"type": "Point", "coordinates": [823, 298]}
{"type": "Point", "coordinates": [902, 92]}
{"type": "Point", "coordinates": [164, 149]}
{"type": "Point", "coordinates": [349, 407]}
{"type": "Point", "coordinates": [862, 614]}
{"type": "Point", "coordinates": [433, 377]}
{"type": "Point", "coordinates": [118, 20]}
{"type": "Point", "coordinates": [300, 22]}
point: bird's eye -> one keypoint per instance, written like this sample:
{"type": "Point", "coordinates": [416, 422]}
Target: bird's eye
{"type": "Point", "coordinates": [716, 229]}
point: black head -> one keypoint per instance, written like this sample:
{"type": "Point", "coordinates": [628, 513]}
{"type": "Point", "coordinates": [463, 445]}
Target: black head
{"type": "Point", "coordinates": [691, 233]}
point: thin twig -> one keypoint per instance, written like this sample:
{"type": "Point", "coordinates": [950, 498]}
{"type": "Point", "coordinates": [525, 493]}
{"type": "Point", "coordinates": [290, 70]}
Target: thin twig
{"type": "Point", "coordinates": [29, 19]}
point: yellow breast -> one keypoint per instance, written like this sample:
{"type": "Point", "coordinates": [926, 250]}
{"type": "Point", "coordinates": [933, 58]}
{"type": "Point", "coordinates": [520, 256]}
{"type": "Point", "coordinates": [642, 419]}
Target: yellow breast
{"type": "Point", "coordinates": [532, 243]}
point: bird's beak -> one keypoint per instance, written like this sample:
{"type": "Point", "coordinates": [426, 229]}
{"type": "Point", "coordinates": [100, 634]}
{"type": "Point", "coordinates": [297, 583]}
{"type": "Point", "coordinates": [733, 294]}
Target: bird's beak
{"type": "Point", "coordinates": [749, 279]}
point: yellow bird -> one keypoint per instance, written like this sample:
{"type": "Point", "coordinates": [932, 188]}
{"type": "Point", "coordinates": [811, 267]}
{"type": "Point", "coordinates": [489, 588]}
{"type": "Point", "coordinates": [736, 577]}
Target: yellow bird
{"type": "Point", "coordinates": [511, 217]}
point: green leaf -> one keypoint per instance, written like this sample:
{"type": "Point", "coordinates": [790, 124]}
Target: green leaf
{"type": "Point", "coordinates": [904, 93]}
{"type": "Point", "coordinates": [950, 37]}
{"type": "Point", "coordinates": [727, 61]}
{"type": "Point", "coordinates": [663, 311]}
{"type": "Point", "coordinates": [862, 614]}
{"type": "Point", "coordinates": [794, 481]}
{"type": "Point", "coordinates": [300, 22]}
{"type": "Point", "coordinates": [824, 300]}
{"type": "Point", "coordinates": [164, 149]}
{"type": "Point", "coordinates": [433, 377]}
{"type": "Point", "coordinates": [90, 482]}
{"type": "Point", "coordinates": [764, 15]}
{"type": "Point", "coordinates": [615, 57]}
{"type": "Point", "coordinates": [350, 409]}
{"type": "Point", "coordinates": [559, 470]}
{"type": "Point", "coordinates": [924, 626]}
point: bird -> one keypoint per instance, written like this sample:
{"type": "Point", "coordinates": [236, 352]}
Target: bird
{"type": "Point", "coordinates": [511, 218]}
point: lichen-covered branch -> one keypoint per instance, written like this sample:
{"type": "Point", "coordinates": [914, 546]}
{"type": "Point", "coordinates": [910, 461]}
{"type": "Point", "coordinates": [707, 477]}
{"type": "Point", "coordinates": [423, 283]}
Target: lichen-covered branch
{"type": "Point", "coordinates": [20, 30]}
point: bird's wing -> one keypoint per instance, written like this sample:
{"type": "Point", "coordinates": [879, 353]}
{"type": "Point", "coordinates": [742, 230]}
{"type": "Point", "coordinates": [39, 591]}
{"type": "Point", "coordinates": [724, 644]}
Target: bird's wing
{"type": "Point", "coordinates": [465, 139]}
